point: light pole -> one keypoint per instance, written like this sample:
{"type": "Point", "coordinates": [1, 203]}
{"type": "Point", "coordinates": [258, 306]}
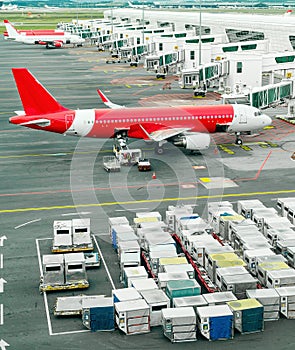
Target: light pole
{"type": "Point", "coordinates": [142, 24]}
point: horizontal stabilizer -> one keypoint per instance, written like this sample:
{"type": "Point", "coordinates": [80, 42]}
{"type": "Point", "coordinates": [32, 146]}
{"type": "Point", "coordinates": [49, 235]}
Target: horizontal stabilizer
{"type": "Point", "coordinates": [38, 122]}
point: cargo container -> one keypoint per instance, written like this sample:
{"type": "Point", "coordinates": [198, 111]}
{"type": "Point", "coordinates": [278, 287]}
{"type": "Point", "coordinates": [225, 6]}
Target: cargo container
{"type": "Point", "coordinates": [261, 215]}
{"type": "Point", "coordinates": [291, 212]}
{"type": "Point", "coordinates": [72, 305]}
{"type": "Point", "coordinates": [221, 249]}
{"type": "Point", "coordinates": [116, 221]}
{"type": "Point", "coordinates": [81, 234]}
{"type": "Point", "coordinates": [283, 205]}
{"type": "Point", "coordinates": [194, 301]}
{"type": "Point", "coordinates": [164, 278]}
{"type": "Point", "coordinates": [218, 216]}
{"type": "Point", "coordinates": [244, 235]}
{"type": "Point", "coordinates": [219, 298]}
{"type": "Point", "coordinates": [53, 270]}
{"type": "Point", "coordinates": [75, 270]}
{"type": "Point", "coordinates": [157, 300]}
{"type": "Point", "coordinates": [268, 265]}
{"type": "Point", "coordinates": [250, 257]}
{"type": "Point", "coordinates": [287, 301]}
{"type": "Point", "coordinates": [291, 256]}
{"type": "Point", "coordinates": [133, 316]}
{"type": "Point", "coordinates": [273, 234]}
{"type": "Point", "coordinates": [225, 271]}
{"type": "Point", "coordinates": [153, 238]}
{"type": "Point", "coordinates": [280, 278]}
{"type": "Point", "coordinates": [211, 206]}
{"type": "Point", "coordinates": [138, 222]}
{"type": "Point", "coordinates": [125, 294]}
{"type": "Point", "coordinates": [129, 253]}
{"type": "Point", "coordinates": [151, 214]}
{"type": "Point", "coordinates": [257, 243]}
{"type": "Point", "coordinates": [182, 288]}
{"type": "Point", "coordinates": [141, 284]}
{"type": "Point", "coordinates": [196, 227]}
{"type": "Point", "coordinates": [270, 300]}
{"type": "Point", "coordinates": [224, 224]}
{"type": "Point", "coordinates": [123, 232]}
{"type": "Point", "coordinates": [174, 213]}
{"type": "Point", "coordinates": [62, 235]}
{"type": "Point", "coordinates": [277, 222]}
{"type": "Point", "coordinates": [246, 207]}
{"type": "Point", "coordinates": [179, 260]}
{"type": "Point", "coordinates": [238, 284]}
{"type": "Point", "coordinates": [283, 244]}
{"type": "Point", "coordinates": [248, 315]}
{"type": "Point", "coordinates": [179, 324]}
{"type": "Point", "coordinates": [215, 322]}
{"type": "Point", "coordinates": [197, 244]}
{"type": "Point", "coordinates": [186, 235]}
{"type": "Point", "coordinates": [187, 268]}
{"type": "Point", "coordinates": [133, 272]}
{"type": "Point", "coordinates": [219, 260]}
{"type": "Point", "coordinates": [235, 227]}
{"type": "Point", "coordinates": [98, 314]}
{"type": "Point", "coordinates": [158, 252]}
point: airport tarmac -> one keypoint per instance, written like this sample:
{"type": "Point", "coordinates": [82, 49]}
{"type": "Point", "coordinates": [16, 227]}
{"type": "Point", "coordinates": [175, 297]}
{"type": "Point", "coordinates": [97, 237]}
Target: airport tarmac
{"type": "Point", "coordinates": [47, 177]}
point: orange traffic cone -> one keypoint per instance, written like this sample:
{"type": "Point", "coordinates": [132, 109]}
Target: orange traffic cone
{"type": "Point", "coordinates": [154, 175]}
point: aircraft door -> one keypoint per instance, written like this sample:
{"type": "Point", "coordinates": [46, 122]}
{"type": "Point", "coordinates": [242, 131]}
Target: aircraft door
{"type": "Point", "coordinates": [69, 118]}
{"type": "Point", "coordinates": [242, 116]}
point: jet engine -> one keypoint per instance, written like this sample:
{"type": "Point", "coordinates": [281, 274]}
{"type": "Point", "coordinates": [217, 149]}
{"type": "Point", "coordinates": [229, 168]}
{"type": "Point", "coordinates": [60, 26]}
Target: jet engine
{"type": "Point", "coordinates": [193, 142]}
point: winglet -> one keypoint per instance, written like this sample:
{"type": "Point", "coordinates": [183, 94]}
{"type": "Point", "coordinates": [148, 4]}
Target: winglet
{"type": "Point", "coordinates": [107, 102]}
{"type": "Point", "coordinates": [36, 100]}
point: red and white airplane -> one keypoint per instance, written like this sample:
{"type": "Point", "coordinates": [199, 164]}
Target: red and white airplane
{"type": "Point", "coordinates": [184, 126]}
{"type": "Point", "coordinates": [49, 39]}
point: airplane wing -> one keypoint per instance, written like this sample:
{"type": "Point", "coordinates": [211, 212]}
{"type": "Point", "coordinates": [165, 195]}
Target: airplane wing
{"type": "Point", "coordinates": [51, 43]}
{"type": "Point", "coordinates": [164, 134]}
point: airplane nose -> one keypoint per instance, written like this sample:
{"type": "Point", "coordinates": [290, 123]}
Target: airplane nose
{"type": "Point", "coordinates": [267, 120]}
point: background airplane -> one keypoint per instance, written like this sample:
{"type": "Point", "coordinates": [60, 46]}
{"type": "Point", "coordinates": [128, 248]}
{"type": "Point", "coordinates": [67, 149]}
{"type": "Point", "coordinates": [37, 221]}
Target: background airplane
{"type": "Point", "coordinates": [184, 126]}
{"type": "Point", "coordinates": [50, 40]}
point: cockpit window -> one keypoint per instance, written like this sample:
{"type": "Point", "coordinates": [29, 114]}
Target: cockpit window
{"type": "Point", "coordinates": [257, 113]}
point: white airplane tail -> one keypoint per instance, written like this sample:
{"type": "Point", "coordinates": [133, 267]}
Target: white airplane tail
{"type": "Point", "coordinates": [12, 32]}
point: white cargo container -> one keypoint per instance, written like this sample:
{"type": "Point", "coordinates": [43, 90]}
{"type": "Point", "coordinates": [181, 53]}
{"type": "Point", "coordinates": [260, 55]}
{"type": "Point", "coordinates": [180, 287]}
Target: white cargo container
{"type": "Point", "coordinates": [270, 300]}
{"type": "Point", "coordinates": [219, 298]}
{"type": "Point", "coordinates": [266, 264]}
{"type": "Point", "coordinates": [287, 301]}
{"type": "Point", "coordinates": [277, 222]}
{"type": "Point", "coordinates": [133, 316]}
{"type": "Point", "coordinates": [291, 256]}
{"type": "Point", "coordinates": [177, 212]}
{"type": "Point", "coordinates": [81, 234]}
{"type": "Point", "coordinates": [187, 268]}
{"type": "Point", "coordinates": [159, 251]}
{"type": "Point", "coordinates": [179, 260]}
{"type": "Point", "coordinates": [250, 257]}
{"type": "Point", "coordinates": [133, 272]}
{"type": "Point", "coordinates": [246, 207]}
{"type": "Point", "coordinates": [122, 233]}
{"type": "Point", "coordinates": [129, 253]}
{"type": "Point", "coordinates": [186, 235]}
{"type": "Point", "coordinates": [157, 238]}
{"type": "Point", "coordinates": [75, 270]}
{"type": "Point", "coordinates": [224, 224]}
{"type": "Point", "coordinates": [179, 324]}
{"type": "Point", "coordinates": [215, 322]}
{"type": "Point", "coordinates": [217, 215]}
{"type": "Point", "coordinates": [157, 301]}
{"type": "Point", "coordinates": [274, 234]}
{"type": "Point", "coordinates": [245, 236]}
{"type": "Point", "coordinates": [164, 277]}
{"type": "Point", "coordinates": [62, 235]}
{"type": "Point", "coordinates": [225, 271]}
{"type": "Point", "coordinates": [235, 227]}
{"type": "Point", "coordinates": [151, 214]}
{"type": "Point", "coordinates": [196, 246]}
{"type": "Point", "coordinates": [258, 243]}
{"type": "Point", "coordinates": [125, 294]}
{"type": "Point", "coordinates": [260, 215]}
{"type": "Point", "coordinates": [215, 250]}
{"type": "Point", "coordinates": [194, 301]}
{"type": "Point", "coordinates": [211, 206]}
{"type": "Point", "coordinates": [238, 284]}
{"type": "Point", "coordinates": [142, 284]}
{"type": "Point", "coordinates": [283, 244]}
{"type": "Point", "coordinates": [280, 278]}
{"type": "Point", "coordinates": [115, 221]}
{"type": "Point", "coordinates": [53, 270]}
{"type": "Point", "coordinates": [283, 205]}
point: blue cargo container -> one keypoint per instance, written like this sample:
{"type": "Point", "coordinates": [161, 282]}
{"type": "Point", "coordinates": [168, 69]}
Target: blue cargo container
{"type": "Point", "coordinates": [182, 288]}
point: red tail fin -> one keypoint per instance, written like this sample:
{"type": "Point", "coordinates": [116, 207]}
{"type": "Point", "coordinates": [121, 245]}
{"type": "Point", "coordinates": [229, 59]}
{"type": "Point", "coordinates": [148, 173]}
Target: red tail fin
{"type": "Point", "coordinates": [35, 98]}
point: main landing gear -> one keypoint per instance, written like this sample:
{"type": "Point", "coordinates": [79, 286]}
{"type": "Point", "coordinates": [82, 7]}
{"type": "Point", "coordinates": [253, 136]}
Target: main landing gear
{"type": "Point", "coordinates": [238, 141]}
{"type": "Point", "coordinates": [159, 149]}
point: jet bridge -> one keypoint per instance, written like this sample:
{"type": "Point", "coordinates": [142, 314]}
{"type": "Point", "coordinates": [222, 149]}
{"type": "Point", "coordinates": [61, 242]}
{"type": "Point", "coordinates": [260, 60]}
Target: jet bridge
{"type": "Point", "coordinates": [262, 97]}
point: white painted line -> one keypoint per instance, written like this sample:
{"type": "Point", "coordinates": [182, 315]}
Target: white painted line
{"type": "Point", "coordinates": [72, 332]}
{"type": "Point", "coordinates": [1, 261]}
{"type": "Point", "coordinates": [1, 315]}
{"type": "Point", "coordinates": [47, 313]}
{"type": "Point", "coordinates": [132, 209]}
{"type": "Point", "coordinates": [39, 257]}
{"type": "Point", "coordinates": [105, 265]}
{"type": "Point", "coordinates": [77, 213]}
{"type": "Point", "coordinates": [27, 223]}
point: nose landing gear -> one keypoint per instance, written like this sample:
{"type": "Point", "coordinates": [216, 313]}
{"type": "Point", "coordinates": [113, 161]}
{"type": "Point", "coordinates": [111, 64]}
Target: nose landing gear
{"type": "Point", "coordinates": [238, 141]}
